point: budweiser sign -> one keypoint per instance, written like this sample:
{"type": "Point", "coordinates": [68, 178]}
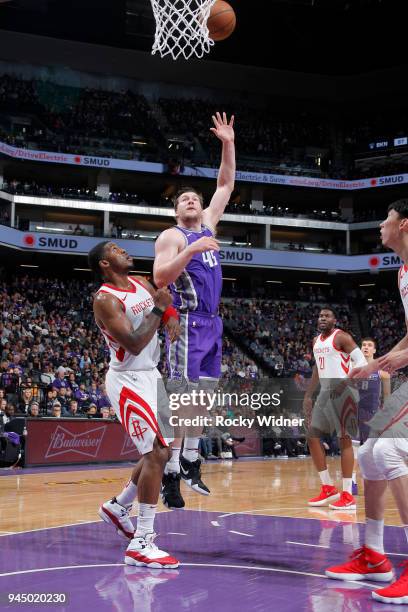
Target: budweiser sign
{"type": "Point", "coordinates": [128, 446]}
{"type": "Point", "coordinates": [85, 443]}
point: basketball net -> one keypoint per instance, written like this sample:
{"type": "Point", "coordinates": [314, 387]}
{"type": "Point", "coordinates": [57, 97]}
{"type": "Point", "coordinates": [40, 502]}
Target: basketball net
{"type": "Point", "coordinates": [181, 28]}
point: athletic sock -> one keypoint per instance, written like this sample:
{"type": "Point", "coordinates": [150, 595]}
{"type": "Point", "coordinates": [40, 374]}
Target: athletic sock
{"type": "Point", "coordinates": [325, 477]}
{"type": "Point", "coordinates": [173, 464]}
{"type": "Point", "coordinates": [190, 450]}
{"type": "Point", "coordinates": [406, 531]}
{"type": "Point", "coordinates": [347, 484]}
{"type": "Point", "coordinates": [145, 519]}
{"type": "Point", "coordinates": [374, 535]}
{"type": "Point", "coordinates": [128, 495]}
{"type": "Point", "coordinates": [354, 477]}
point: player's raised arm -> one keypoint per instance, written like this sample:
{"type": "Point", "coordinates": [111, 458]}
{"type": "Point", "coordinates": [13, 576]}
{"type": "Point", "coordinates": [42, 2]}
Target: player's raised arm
{"type": "Point", "coordinates": [112, 319]}
{"type": "Point", "coordinates": [224, 130]}
{"type": "Point", "coordinates": [172, 255]}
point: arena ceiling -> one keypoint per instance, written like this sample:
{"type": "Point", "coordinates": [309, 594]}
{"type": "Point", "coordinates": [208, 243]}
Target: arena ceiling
{"type": "Point", "coordinates": [333, 37]}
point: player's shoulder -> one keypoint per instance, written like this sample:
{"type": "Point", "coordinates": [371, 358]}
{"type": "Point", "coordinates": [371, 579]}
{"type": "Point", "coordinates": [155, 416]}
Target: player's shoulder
{"type": "Point", "coordinates": [172, 237]}
{"type": "Point", "coordinates": [105, 300]}
{"type": "Point", "coordinates": [339, 337]}
{"type": "Point", "coordinates": [171, 233]}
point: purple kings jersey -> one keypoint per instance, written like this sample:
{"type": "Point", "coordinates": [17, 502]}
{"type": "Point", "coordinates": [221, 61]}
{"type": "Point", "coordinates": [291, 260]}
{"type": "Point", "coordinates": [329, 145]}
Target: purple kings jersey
{"type": "Point", "coordinates": [198, 288]}
{"type": "Point", "coordinates": [370, 393]}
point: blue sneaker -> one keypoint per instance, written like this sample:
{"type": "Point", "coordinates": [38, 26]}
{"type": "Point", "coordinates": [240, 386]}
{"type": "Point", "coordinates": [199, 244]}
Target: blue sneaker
{"type": "Point", "coordinates": [354, 489]}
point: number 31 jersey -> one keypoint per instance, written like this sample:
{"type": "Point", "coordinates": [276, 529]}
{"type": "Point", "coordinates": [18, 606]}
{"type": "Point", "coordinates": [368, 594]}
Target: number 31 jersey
{"type": "Point", "coordinates": [330, 361]}
{"type": "Point", "coordinates": [199, 286]}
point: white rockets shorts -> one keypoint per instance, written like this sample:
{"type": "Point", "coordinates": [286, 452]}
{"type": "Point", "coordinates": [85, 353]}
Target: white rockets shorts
{"type": "Point", "coordinates": [392, 420]}
{"type": "Point", "coordinates": [141, 405]}
{"type": "Point", "coordinates": [338, 415]}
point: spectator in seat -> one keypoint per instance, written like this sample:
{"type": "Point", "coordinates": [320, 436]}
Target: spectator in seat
{"type": "Point", "coordinates": [72, 382]}
{"type": "Point", "coordinates": [26, 399]}
{"type": "Point", "coordinates": [10, 412]}
{"type": "Point", "coordinates": [82, 396]}
{"type": "Point", "coordinates": [103, 399]}
{"type": "Point", "coordinates": [34, 410]}
{"type": "Point", "coordinates": [72, 410]}
{"type": "Point", "coordinates": [94, 393]}
{"type": "Point", "coordinates": [60, 380]}
{"type": "Point", "coordinates": [112, 414]}
{"type": "Point", "coordinates": [51, 399]}
{"type": "Point", "coordinates": [56, 410]}
{"type": "Point", "coordinates": [63, 398]}
{"type": "Point", "coordinates": [105, 413]}
{"type": "Point", "coordinates": [92, 411]}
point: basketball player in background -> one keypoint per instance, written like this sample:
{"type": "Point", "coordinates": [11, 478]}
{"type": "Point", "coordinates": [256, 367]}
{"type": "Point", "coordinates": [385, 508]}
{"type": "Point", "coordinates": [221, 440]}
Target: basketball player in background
{"type": "Point", "coordinates": [187, 259]}
{"type": "Point", "coordinates": [335, 408]}
{"type": "Point", "coordinates": [128, 312]}
{"type": "Point", "coordinates": [383, 457]}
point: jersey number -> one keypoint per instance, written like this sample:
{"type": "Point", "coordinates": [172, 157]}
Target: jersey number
{"type": "Point", "coordinates": [210, 259]}
{"type": "Point", "coordinates": [321, 363]}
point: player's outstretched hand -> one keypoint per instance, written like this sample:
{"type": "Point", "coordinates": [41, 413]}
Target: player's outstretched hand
{"type": "Point", "coordinates": [358, 373]}
{"type": "Point", "coordinates": [223, 129]}
{"type": "Point", "coordinates": [204, 244]}
{"type": "Point", "coordinates": [393, 361]}
{"type": "Point", "coordinates": [162, 298]}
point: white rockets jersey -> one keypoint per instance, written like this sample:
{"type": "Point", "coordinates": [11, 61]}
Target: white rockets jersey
{"type": "Point", "coordinates": [330, 362]}
{"type": "Point", "coordinates": [135, 303]}
{"type": "Point", "coordinates": [403, 287]}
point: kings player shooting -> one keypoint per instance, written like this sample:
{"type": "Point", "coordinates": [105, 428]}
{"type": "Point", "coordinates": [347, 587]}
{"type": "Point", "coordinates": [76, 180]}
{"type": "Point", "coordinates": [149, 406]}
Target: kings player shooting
{"type": "Point", "coordinates": [187, 259]}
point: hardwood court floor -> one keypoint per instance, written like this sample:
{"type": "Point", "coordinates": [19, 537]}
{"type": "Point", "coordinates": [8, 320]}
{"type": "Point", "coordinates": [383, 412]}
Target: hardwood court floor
{"type": "Point", "coordinates": [266, 487]}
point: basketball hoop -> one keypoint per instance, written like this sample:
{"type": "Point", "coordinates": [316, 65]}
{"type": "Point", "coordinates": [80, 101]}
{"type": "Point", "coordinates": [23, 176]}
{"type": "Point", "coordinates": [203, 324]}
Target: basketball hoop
{"type": "Point", "coordinates": [181, 28]}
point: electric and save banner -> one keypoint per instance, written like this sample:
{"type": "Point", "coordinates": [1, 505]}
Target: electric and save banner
{"type": "Point", "coordinates": [234, 256]}
{"type": "Point", "coordinates": [211, 173]}
{"type": "Point", "coordinates": [53, 441]}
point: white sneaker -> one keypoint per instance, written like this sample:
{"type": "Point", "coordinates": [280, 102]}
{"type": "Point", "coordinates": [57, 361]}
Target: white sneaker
{"type": "Point", "coordinates": [143, 552]}
{"type": "Point", "coordinates": [118, 516]}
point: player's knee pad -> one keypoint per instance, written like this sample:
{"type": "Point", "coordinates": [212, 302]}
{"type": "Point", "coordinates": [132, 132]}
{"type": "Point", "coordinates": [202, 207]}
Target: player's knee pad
{"type": "Point", "coordinates": [389, 458]}
{"type": "Point", "coordinates": [367, 463]}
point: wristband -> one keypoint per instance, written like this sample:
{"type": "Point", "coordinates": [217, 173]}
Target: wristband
{"type": "Point", "coordinates": [168, 313]}
{"type": "Point", "coordinates": [157, 311]}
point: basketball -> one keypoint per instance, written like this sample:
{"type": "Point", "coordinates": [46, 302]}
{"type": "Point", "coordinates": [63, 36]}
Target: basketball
{"type": "Point", "coordinates": [221, 22]}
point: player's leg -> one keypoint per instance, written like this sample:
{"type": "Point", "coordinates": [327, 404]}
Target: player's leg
{"type": "Point", "coordinates": [369, 562]}
{"type": "Point", "coordinates": [176, 355]}
{"type": "Point", "coordinates": [203, 371]}
{"type": "Point", "coordinates": [117, 510]}
{"type": "Point", "coordinates": [142, 551]}
{"type": "Point", "coordinates": [356, 445]}
{"type": "Point", "coordinates": [140, 402]}
{"type": "Point", "coordinates": [391, 454]}
{"type": "Point", "coordinates": [344, 420]}
{"type": "Point", "coordinates": [320, 425]}
{"type": "Point", "coordinates": [346, 501]}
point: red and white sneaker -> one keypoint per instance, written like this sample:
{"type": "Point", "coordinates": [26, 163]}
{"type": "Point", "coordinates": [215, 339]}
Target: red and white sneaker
{"type": "Point", "coordinates": [346, 502]}
{"type": "Point", "coordinates": [143, 552]}
{"type": "Point", "coordinates": [397, 592]}
{"type": "Point", "coordinates": [118, 516]}
{"type": "Point", "coordinates": [327, 494]}
{"type": "Point", "coordinates": [364, 563]}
